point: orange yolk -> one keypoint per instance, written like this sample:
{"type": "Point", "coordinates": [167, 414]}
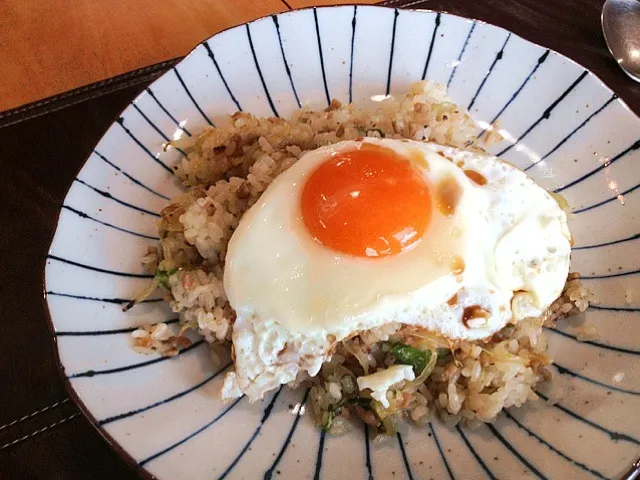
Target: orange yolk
{"type": "Point", "coordinates": [369, 202]}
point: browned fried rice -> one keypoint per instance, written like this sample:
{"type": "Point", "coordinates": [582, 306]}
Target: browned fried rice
{"type": "Point", "coordinates": [226, 171]}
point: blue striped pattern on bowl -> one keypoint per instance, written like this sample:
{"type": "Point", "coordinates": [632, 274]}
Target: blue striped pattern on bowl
{"type": "Point", "coordinates": [561, 124]}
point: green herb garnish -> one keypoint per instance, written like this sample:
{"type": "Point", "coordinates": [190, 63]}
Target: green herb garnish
{"type": "Point", "coordinates": [334, 410]}
{"type": "Point", "coordinates": [443, 353]}
{"type": "Point", "coordinates": [407, 355]}
{"type": "Point", "coordinates": [163, 277]}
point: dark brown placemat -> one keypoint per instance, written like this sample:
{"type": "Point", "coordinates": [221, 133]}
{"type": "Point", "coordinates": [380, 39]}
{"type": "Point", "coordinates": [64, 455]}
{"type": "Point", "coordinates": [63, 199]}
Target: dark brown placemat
{"type": "Point", "coordinates": [142, 76]}
{"type": "Point", "coordinates": [40, 157]}
{"type": "Point", "coordinates": [42, 434]}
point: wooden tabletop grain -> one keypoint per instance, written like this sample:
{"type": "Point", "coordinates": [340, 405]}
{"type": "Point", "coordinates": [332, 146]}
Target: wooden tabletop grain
{"type": "Point", "coordinates": [49, 47]}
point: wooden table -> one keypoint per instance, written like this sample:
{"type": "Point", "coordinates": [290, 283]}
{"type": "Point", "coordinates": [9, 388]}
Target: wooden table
{"type": "Point", "coordinates": [66, 73]}
{"type": "Point", "coordinates": [50, 47]}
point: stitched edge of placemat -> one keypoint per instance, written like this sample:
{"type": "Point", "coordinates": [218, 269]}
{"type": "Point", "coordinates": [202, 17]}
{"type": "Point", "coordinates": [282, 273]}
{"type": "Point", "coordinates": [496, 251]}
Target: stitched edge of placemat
{"type": "Point", "coordinates": [93, 90]}
{"type": "Point", "coordinates": [108, 85]}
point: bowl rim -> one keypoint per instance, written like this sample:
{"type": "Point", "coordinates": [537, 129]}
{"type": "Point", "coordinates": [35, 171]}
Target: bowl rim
{"type": "Point", "coordinates": [386, 5]}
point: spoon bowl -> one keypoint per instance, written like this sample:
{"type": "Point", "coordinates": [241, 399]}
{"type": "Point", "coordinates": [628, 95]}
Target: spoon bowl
{"type": "Point", "coordinates": [621, 28]}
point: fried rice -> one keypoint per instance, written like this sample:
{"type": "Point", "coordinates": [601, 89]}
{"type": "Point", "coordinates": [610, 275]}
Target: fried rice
{"type": "Point", "coordinates": [227, 169]}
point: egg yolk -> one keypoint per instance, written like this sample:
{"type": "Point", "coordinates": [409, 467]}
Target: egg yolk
{"type": "Point", "coordinates": [370, 202]}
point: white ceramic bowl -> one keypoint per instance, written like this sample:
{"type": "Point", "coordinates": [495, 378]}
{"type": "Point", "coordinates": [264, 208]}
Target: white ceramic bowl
{"type": "Point", "coordinates": [562, 125]}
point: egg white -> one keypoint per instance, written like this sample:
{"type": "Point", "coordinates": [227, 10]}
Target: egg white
{"type": "Point", "coordinates": [295, 298]}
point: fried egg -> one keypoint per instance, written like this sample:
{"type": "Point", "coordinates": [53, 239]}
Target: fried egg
{"type": "Point", "coordinates": [360, 234]}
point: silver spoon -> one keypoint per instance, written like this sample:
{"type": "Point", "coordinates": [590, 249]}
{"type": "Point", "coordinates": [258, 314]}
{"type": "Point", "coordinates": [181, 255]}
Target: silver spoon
{"type": "Point", "coordinates": [621, 27]}
{"type": "Point", "coordinates": [633, 472]}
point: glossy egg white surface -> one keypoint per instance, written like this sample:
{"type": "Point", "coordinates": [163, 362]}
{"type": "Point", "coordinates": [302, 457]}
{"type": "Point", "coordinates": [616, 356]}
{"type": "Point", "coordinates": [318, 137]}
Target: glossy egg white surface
{"type": "Point", "coordinates": [502, 241]}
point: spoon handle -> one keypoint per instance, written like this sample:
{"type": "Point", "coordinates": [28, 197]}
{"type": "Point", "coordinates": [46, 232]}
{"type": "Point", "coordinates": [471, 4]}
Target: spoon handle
{"type": "Point", "coordinates": [633, 472]}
